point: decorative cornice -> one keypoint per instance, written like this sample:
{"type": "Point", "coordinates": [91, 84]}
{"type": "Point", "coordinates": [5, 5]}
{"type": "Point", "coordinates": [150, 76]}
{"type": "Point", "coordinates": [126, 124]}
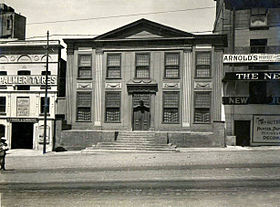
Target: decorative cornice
{"type": "Point", "coordinates": [113, 85]}
{"type": "Point", "coordinates": [171, 85]}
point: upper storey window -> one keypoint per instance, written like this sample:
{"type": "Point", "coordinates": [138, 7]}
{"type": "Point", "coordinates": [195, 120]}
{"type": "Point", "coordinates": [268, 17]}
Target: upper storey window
{"type": "Point", "coordinates": [258, 18]}
{"type": "Point", "coordinates": [23, 73]}
{"type": "Point", "coordinates": [114, 66]}
{"type": "Point", "coordinates": [203, 65]}
{"type": "Point", "coordinates": [84, 66]}
{"type": "Point", "coordinates": [171, 65]}
{"type": "Point", "coordinates": [258, 45]}
{"type": "Point", "coordinates": [142, 65]}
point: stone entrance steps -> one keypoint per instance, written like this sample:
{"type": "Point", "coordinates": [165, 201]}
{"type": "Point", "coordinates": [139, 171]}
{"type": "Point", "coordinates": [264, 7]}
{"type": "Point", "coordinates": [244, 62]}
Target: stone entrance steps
{"type": "Point", "coordinates": [131, 140]}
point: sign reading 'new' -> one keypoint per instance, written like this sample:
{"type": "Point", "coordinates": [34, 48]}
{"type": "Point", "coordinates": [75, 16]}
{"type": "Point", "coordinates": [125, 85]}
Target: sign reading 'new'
{"type": "Point", "coordinates": [251, 58]}
{"type": "Point", "coordinates": [27, 80]}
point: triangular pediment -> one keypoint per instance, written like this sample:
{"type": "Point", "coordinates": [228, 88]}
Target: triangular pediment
{"type": "Point", "coordinates": [142, 29]}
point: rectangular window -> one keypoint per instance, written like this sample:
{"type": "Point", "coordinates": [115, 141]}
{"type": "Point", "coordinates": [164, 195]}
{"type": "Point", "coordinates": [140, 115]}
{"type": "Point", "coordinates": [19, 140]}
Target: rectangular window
{"type": "Point", "coordinates": [257, 92]}
{"type": "Point", "coordinates": [43, 105]}
{"type": "Point", "coordinates": [3, 73]}
{"type": "Point", "coordinates": [83, 106]}
{"type": "Point", "coordinates": [112, 106]}
{"type": "Point", "coordinates": [258, 18]}
{"type": "Point", "coordinates": [203, 65]}
{"type": "Point", "coordinates": [114, 66]}
{"type": "Point", "coordinates": [202, 105]}
{"type": "Point", "coordinates": [258, 45]}
{"type": "Point", "coordinates": [171, 65]}
{"type": "Point", "coordinates": [84, 66]}
{"type": "Point", "coordinates": [23, 73]}
{"type": "Point", "coordinates": [171, 107]}
{"type": "Point", "coordinates": [142, 66]}
{"type": "Point", "coordinates": [2, 105]}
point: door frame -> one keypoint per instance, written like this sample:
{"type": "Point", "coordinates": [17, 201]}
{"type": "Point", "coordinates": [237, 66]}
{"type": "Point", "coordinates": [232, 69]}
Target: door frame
{"type": "Point", "coordinates": [132, 106]}
{"type": "Point", "coordinates": [250, 132]}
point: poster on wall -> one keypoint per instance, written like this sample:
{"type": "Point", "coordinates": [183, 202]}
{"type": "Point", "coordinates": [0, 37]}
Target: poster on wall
{"type": "Point", "coordinates": [266, 129]}
{"type": "Point", "coordinates": [23, 106]}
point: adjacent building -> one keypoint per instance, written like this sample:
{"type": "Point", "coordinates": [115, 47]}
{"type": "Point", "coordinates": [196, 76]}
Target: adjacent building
{"type": "Point", "coordinates": [145, 76]}
{"type": "Point", "coordinates": [22, 91]}
{"type": "Point", "coordinates": [251, 70]}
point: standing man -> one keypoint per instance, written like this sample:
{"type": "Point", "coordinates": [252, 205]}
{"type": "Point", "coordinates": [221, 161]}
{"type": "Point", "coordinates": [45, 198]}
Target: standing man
{"type": "Point", "coordinates": [3, 149]}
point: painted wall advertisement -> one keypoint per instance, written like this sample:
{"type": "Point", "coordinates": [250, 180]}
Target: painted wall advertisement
{"type": "Point", "coordinates": [266, 128]}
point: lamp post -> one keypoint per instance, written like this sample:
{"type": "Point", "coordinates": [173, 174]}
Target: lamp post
{"type": "Point", "coordinates": [46, 96]}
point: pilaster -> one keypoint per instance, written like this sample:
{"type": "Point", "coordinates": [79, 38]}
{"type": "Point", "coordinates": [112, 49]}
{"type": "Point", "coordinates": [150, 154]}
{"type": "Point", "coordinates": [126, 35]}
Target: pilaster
{"type": "Point", "coordinates": [98, 88]}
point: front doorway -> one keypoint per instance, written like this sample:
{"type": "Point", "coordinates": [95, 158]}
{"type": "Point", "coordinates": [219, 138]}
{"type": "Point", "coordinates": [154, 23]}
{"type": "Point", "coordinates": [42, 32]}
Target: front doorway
{"type": "Point", "coordinates": [22, 135]}
{"type": "Point", "coordinates": [242, 132]}
{"type": "Point", "coordinates": [141, 111]}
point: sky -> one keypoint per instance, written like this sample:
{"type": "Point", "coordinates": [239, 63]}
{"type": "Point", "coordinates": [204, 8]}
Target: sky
{"type": "Point", "coordinates": [38, 13]}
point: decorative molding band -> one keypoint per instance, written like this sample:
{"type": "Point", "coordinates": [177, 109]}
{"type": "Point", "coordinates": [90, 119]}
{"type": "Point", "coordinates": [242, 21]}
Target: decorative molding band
{"type": "Point", "coordinates": [26, 58]}
{"type": "Point", "coordinates": [84, 85]}
{"type": "Point", "coordinates": [171, 85]}
{"type": "Point", "coordinates": [203, 85]}
{"type": "Point", "coordinates": [113, 85]}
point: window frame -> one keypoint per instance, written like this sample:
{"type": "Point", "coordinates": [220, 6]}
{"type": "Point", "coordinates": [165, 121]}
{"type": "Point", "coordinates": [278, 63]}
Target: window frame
{"type": "Point", "coordinates": [42, 105]}
{"type": "Point", "coordinates": [164, 108]}
{"type": "Point", "coordinates": [166, 66]}
{"type": "Point", "coordinates": [90, 106]}
{"type": "Point", "coordinates": [149, 65]}
{"type": "Point", "coordinates": [210, 64]}
{"type": "Point", "coordinates": [4, 105]}
{"type": "Point", "coordinates": [120, 102]}
{"type": "Point", "coordinates": [81, 68]}
{"type": "Point", "coordinates": [258, 46]}
{"type": "Point", "coordinates": [202, 108]}
{"type": "Point", "coordinates": [108, 67]}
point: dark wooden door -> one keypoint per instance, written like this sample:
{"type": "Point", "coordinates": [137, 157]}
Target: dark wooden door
{"type": "Point", "coordinates": [242, 132]}
{"type": "Point", "coordinates": [141, 111]}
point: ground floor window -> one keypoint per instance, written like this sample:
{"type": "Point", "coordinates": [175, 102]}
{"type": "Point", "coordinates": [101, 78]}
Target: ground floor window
{"type": "Point", "coordinates": [84, 106]}
{"type": "Point", "coordinates": [113, 106]}
{"type": "Point", "coordinates": [202, 104]}
{"type": "Point", "coordinates": [171, 107]}
{"type": "Point", "coordinates": [43, 105]}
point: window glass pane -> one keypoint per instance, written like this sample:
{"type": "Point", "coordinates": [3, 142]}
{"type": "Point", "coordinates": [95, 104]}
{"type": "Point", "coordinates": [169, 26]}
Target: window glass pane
{"type": "Point", "coordinates": [114, 73]}
{"type": "Point", "coordinates": [171, 72]}
{"type": "Point", "coordinates": [203, 58]}
{"type": "Point", "coordinates": [171, 100]}
{"type": "Point", "coordinates": [114, 60]}
{"type": "Point", "coordinates": [112, 114]}
{"type": "Point", "coordinates": [202, 100]}
{"type": "Point", "coordinates": [24, 72]}
{"type": "Point", "coordinates": [170, 115]}
{"type": "Point", "coordinates": [43, 104]}
{"type": "Point", "coordinates": [84, 60]}
{"type": "Point", "coordinates": [83, 114]}
{"type": "Point", "coordinates": [3, 72]}
{"type": "Point", "coordinates": [201, 72]}
{"type": "Point", "coordinates": [142, 59]}
{"type": "Point", "coordinates": [84, 99]}
{"type": "Point", "coordinates": [84, 73]}
{"type": "Point", "coordinates": [2, 104]}
{"type": "Point", "coordinates": [142, 72]}
{"type": "Point", "coordinates": [202, 115]}
{"type": "Point", "coordinates": [113, 99]}
{"type": "Point", "coordinates": [172, 59]}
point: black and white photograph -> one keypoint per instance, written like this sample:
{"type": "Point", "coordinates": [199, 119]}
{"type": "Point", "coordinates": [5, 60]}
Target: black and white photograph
{"type": "Point", "coordinates": [140, 103]}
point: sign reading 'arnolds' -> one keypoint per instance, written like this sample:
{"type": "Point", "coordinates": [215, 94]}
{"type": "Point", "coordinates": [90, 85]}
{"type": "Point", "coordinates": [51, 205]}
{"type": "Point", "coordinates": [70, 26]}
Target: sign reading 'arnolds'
{"type": "Point", "coordinates": [27, 80]}
{"type": "Point", "coordinates": [251, 58]}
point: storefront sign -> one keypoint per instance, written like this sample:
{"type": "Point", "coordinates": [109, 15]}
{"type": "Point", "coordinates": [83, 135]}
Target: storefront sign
{"type": "Point", "coordinates": [29, 120]}
{"type": "Point", "coordinates": [27, 80]}
{"type": "Point", "coordinates": [266, 129]}
{"type": "Point", "coordinates": [23, 106]}
{"type": "Point", "coordinates": [251, 58]}
{"type": "Point", "coordinates": [252, 76]}
{"type": "Point", "coordinates": [251, 100]}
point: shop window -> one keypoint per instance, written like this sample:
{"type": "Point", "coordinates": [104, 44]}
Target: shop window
{"type": "Point", "coordinates": [112, 106]}
{"type": "Point", "coordinates": [258, 18]}
{"type": "Point", "coordinates": [171, 65]}
{"type": "Point", "coordinates": [171, 107]}
{"type": "Point", "coordinates": [1, 74]}
{"type": "Point", "coordinates": [258, 45]}
{"type": "Point", "coordinates": [142, 66]}
{"type": "Point", "coordinates": [84, 106]}
{"type": "Point", "coordinates": [43, 105]}
{"type": "Point", "coordinates": [23, 73]}
{"type": "Point", "coordinates": [258, 92]}
{"type": "Point", "coordinates": [114, 66]}
{"type": "Point", "coordinates": [2, 105]}
{"type": "Point", "coordinates": [203, 65]}
{"type": "Point", "coordinates": [202, 105]}
{"type": "Point", "coordinates": [84, 66]}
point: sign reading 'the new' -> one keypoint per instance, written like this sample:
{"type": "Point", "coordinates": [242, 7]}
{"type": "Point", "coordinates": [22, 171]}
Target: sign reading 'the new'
{"type": "Point", "coordinates": [251, 58]}
{"type": "Point", "coordinates": [252, 76]}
